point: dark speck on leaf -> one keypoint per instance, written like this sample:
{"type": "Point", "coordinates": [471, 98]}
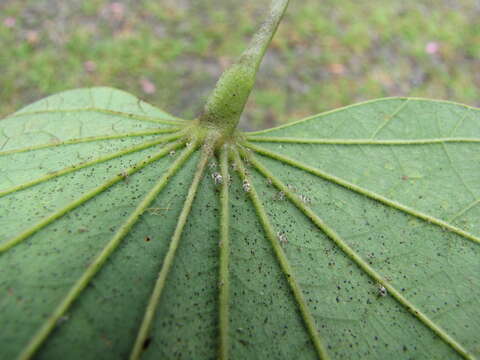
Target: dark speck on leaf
{"type": "Point", "coordinates": [243, 342]}
{"type": "Point", "coordinates": [146, 343]}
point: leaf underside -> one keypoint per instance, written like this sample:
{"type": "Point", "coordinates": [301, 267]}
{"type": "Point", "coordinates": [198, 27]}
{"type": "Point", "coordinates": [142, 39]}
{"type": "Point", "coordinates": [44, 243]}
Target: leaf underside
{"type": "Point", "coordinates": [351, 234]}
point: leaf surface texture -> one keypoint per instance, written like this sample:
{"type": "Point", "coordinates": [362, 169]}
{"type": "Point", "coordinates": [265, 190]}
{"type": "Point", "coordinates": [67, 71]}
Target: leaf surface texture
{"type": "Point", "coordinates": [350, 234]}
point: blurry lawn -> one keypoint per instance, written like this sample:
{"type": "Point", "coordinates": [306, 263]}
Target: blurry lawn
{"type": "Point", "coordinates": [327, 53]}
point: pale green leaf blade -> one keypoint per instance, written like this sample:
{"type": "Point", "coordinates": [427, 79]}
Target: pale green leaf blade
{"type": "Point", "coordinates": [109, 311]}
{"type": "Point", "coordinates": [102, 100]}
{"type": "Point", "coordinates": [77, 165]}
{"type": "Point", "coordinates": [47, 148]}
{"type": "Point", "coordinates": [347, 303]}
{"type": "Point", "coordinates": [396, 151]}
{"type": "Point", "coordinates": [407, 208]}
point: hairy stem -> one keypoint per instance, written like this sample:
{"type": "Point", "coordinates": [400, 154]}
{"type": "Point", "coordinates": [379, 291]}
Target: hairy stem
{"type": "Point", "coordinates": [226, 103]}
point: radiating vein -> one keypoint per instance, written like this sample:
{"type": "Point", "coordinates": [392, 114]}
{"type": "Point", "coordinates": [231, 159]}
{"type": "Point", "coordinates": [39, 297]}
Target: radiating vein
{"type": "Point", "coordinates": [399, 183]}
{"type": "Point", "coordinates": [98, 160]}
{"type": "Point", "coordinates": [91, 139]}
{"type": "Point", "coordinates": [459, 123]}
{"type": "Point", "coordinates": [169, 258]}
{"type": "Point", "coordinates": [463, 211]}
{"type": "Point", "coordinates": [389, 118]}
{"type": "Point", "coordinates": [362, 264]}
{"type": "Point", "coordinates": [459, 175]}
{"type": "Point", "coordinates": [295, 140]}
{"type": "Point", "coordinates": [102, 111]}
{"type": "Point", "coordinates": [283, 262]}
{"type": "Point", "coordinates": [224, 285]}
{"type": "Point", "coordinates": [365, 192]}
{"type": "Point", "coordinates": [96, 264]}
{"type": "Point", "coordinates": [84, 198]}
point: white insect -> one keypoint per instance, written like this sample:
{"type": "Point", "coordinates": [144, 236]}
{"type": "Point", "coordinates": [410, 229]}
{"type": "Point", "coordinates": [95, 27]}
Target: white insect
{"type": "Point", "coordinates": [124, 174]}
{"type": "Point", "coordinates": [62, 320]}
{"type": "Point", "coordinates": [305, 199]}
{"type": "Point", "coordinates": [172, 153]}
{"type": "Point", "coordinates": [217, 178]}
{"type": "Point", "coordinates": [280, 196]}
{"type": "Point", "coordinates": [382, 291]}
{"type": "Point", "coordinates": [246, 186]}
{"type": "Point", "coordinates": [282, 238]}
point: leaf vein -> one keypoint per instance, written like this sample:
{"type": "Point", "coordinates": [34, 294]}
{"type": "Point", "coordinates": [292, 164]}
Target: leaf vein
{"type": "Point", "coordinates": [326, 141]}
{"type": "Point", "coordinates": [224, 285]}
{"type": "Point", "coordinates": [283, 262]}
{"type": "Point", "coordinates": [39, 338]}
{"type": "Point", "coordinates": [362, 264]}
{"type": "Point", "coordinates": [83, 199]}
{"type": "Point", "coordinates": [174, 121]}
{"type": "Point", "coordinates": [389, 118]}
{"type": "Point", "coordinates": [79, 166]}
{"type": "Point", "coordinates": [90, 139]}
{"type": "Point", "coordinates": [457, 173]}
{"type": "Point", "coordinates": [362, 191]}
{"type": "Point", "coordinates": [170, 256]}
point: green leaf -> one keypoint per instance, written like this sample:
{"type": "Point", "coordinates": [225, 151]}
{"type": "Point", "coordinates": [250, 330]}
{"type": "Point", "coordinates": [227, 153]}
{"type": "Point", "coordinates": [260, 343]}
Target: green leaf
{"type": "Point", "coordinates": [351, 234]}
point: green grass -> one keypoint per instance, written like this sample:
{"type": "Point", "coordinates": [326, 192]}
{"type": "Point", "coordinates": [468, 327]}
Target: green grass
{"type": "Point", "coordinates": [326, 54]}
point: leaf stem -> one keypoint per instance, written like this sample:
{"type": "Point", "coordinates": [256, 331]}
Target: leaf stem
{"type": "Point", "coordinates": [226, 103]}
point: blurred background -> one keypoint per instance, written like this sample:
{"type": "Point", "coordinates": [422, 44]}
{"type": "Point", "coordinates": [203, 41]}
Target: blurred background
{"type": "Point", "coordinates": [326, 54]}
